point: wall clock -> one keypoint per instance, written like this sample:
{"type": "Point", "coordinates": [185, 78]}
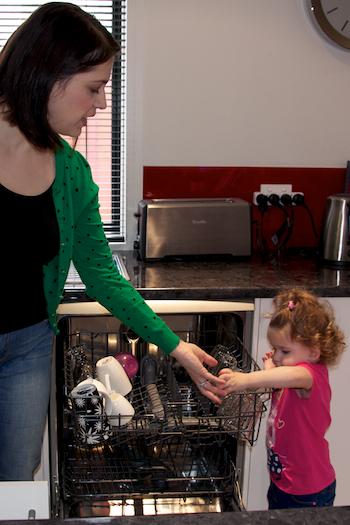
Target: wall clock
{"type": "Point", "coordinates": [332, 17]}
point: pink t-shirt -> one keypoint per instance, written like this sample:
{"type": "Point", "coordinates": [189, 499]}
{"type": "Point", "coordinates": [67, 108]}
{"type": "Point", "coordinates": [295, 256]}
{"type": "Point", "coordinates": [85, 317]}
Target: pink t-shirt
{"type": "Point", "coordinates": [298, 453]}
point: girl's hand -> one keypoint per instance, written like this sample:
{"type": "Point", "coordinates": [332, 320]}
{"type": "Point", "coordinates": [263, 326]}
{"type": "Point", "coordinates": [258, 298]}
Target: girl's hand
{"type": "Point", "coordinates": [268, 361]}
{"type": "Point", "coordinates": [193, 359]}
{"type": "Point", "coordinates": [234, 381]}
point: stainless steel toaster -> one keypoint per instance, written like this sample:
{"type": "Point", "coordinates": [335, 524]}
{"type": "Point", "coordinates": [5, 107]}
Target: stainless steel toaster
{"type": "Point", "coordinates": [185, 227]}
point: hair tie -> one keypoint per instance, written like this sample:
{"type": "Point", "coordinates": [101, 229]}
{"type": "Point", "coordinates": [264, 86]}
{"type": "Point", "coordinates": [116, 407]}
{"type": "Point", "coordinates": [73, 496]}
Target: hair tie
{"type": "Point", "coordinates": [291, 305]}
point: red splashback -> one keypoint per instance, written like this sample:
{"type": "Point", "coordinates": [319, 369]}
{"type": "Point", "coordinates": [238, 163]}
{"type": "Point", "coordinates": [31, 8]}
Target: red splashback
{"type": "Point", "coordinates": [171, 182]}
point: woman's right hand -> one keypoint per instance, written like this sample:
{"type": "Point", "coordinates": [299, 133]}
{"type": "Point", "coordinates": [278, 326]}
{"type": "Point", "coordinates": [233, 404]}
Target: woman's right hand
{"type": "Point", "coordinates": [193, 359]}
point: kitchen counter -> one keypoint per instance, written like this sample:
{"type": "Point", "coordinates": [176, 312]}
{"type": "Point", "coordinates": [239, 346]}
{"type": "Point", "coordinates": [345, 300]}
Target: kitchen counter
{"type": "Point", "coordinates": [229, 279]}
{"type": "Point", "coordinates": [334, 515]}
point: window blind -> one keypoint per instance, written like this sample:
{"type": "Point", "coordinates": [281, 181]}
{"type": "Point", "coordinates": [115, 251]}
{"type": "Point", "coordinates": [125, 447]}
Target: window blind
{"type": "Point", "coordinates": [103, 140]}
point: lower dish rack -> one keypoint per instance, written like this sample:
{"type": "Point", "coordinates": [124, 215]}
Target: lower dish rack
{"type": "Point", "coordinates": [176, 467]}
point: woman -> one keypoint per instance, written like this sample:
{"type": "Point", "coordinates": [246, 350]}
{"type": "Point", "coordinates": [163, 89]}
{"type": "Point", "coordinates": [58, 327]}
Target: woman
{"type": "Point", "coordinates": [53, 72]}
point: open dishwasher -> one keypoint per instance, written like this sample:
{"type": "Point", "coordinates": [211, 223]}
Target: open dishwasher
{"type": "Point", "coordinates": [181, 454]}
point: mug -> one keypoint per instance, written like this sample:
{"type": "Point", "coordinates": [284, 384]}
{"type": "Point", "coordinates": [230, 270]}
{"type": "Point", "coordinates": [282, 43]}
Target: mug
{"type": "Point", "coordinates": [91, 422]}
{"type": "Point", "coordinates": [111, 373]}
{"type": "Point", "coordinates": [119, 409]}
{"type": "Point", "coordinates": [90, 381]}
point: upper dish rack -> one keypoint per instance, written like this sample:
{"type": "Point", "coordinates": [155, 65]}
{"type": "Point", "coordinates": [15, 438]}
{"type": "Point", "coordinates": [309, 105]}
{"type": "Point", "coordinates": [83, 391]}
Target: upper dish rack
{"type": "Point", "coordinates": [179, 408]}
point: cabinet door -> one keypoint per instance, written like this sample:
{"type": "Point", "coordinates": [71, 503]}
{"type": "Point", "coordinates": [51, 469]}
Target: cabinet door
{"type": "Point", "coordinates": [256, 479]}
{"type": "Point", "coordinates": [20, 500]}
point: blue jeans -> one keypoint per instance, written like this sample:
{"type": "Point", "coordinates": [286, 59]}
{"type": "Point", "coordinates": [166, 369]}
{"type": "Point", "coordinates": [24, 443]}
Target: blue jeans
{"type": "Point", "coordinates": [25, 373]}
{"type": "Point", "coordinates": [281, 500]}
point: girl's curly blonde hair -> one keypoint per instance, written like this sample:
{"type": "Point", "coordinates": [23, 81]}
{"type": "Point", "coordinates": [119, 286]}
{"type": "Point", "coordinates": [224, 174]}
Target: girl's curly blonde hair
{"type": "Point", "coordinates": [311, 322]}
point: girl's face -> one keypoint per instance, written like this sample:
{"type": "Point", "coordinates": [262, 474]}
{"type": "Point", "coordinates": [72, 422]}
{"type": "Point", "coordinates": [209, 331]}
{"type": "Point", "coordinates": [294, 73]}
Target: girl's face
{"type": "Point", "coordinates": [287, 352]}
{"type": "Point", "coordinates": [73, 101]}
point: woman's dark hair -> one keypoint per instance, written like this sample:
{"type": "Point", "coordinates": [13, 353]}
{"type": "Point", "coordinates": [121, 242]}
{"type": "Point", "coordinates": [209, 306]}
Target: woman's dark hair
{"type": "Point", "coordinates": [57, 41]}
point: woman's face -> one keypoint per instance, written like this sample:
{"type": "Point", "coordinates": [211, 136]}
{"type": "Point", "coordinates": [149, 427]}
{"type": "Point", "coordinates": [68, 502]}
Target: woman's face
{"type": "Point", "coordinates": [73, 101]}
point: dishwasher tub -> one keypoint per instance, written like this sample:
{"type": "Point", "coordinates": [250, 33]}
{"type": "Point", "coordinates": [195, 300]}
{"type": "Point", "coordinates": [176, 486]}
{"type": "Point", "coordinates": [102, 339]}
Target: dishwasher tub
{"type": "Point", "coordinates": [190, 460]}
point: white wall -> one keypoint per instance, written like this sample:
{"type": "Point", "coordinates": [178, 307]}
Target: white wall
{"type": "Point", "coordinates": [230, 83]}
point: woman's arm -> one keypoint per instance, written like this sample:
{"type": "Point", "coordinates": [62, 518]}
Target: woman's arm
{"type": "Point", "coordinates": [278, 377]}
{"type": "Point", "coordinates": [93, 260]}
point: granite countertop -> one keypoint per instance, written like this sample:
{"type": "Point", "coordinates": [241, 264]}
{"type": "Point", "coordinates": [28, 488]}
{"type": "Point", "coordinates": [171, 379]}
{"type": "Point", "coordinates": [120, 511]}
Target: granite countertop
{"type": "Point", "coordinates": [320, 516]}
{"type": "Point", "coordinates": [231, 279]}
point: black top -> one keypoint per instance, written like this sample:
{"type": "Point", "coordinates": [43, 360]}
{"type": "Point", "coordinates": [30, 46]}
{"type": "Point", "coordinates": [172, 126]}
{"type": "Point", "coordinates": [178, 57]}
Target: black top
{"type": "Point", "coordinates": [29, 238]}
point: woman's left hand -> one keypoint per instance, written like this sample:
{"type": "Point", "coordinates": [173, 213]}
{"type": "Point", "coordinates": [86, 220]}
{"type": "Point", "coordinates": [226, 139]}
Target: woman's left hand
{"type": "Point", "coordinates": [193, 358]}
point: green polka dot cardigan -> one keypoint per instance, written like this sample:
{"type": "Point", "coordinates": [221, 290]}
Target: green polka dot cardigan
{"type": "Point", "coordinates": [83, 241]}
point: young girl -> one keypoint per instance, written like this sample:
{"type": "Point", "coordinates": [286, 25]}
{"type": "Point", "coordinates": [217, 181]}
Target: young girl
{"type": "Point", "coordinates": [304, 340]}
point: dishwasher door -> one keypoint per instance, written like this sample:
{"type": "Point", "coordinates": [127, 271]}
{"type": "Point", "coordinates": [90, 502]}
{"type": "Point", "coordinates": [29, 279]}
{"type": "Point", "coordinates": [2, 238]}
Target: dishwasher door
{"type": "Point", "coordinates": [188, 460]}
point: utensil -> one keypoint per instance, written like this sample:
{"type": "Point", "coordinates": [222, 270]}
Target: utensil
{"type": "Point", "coordinates": [133, 339]}
{"type": "Point", "coordinates": [148, 377]}
{"type": "Point", "coordinates": [174, 387]}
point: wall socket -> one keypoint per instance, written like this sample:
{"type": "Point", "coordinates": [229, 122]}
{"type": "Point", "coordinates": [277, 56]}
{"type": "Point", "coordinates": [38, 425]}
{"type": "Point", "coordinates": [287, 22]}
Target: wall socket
{"type": "Point", "coordinates": [278, 189]}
